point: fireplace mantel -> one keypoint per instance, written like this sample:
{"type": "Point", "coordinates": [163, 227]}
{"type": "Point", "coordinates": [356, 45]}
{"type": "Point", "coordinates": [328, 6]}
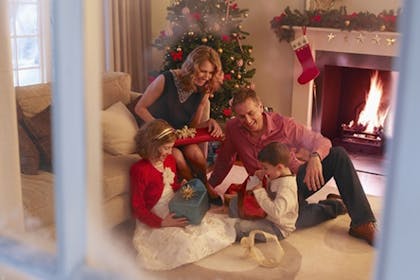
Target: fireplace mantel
{"type": "Point", "coordinates": [335, 40]}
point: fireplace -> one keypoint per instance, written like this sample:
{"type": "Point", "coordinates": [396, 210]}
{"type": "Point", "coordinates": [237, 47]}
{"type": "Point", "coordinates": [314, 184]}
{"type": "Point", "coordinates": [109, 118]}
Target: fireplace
{"type": "Point", "coordinates": [352, 100]}
{"type": "Point", "coordinates": [332, 103]}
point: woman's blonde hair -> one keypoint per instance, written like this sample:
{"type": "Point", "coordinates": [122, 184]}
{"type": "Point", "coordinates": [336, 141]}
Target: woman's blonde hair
{"type": "Point", "coordinates": [191, 66]}
{"type": "Point", "coordinates": [151, 136]}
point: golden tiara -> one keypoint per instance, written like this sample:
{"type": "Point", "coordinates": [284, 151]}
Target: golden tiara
{"type": "Point", "coordinates": [164, 133]}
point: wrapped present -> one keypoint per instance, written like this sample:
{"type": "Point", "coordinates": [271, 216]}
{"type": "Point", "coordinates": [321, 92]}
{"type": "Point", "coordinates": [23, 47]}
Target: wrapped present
{"type": "Point", "coordinates": [188, 136]}
{"type": "Point", "coordinates": [190, 201]}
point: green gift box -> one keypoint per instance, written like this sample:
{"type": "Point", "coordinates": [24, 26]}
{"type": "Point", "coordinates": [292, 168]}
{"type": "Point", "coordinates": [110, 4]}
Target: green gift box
{"type": "Point", "coordinates": [190, 201]}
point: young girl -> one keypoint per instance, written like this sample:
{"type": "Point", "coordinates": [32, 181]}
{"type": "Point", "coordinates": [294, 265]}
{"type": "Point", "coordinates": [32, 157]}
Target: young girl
{"type": "Point", "coordinates": [162, 240]}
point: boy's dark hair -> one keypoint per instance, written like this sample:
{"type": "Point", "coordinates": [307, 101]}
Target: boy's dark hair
{"type": "Point", "coordinates": [275, 153]}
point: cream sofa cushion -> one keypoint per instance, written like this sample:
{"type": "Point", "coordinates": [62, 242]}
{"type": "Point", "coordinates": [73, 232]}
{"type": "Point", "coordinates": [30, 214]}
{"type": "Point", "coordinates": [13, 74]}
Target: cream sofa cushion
{"type": "Point", "coordinates": [33, 99]}
{"type": "Point", "coordinates": [116, 87]}
{"type": "Point", "coordinates": [116, 179]}
{"type": "Point", "coordinates": [119, 129]}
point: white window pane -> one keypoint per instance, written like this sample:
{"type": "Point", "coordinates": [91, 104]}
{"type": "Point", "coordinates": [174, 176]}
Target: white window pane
{"type": "Point", "coordinates": [26, 19]}
{"type": "Point", "coordinates": [13, 46]}
{"type": "Point", "coordinates": [15, 79]}
{"type": "Point", "coordinates": [28, 51]}
{"type": "Point", "coordinates": [29, 77]}
{"type": "Point", "coordinates": [12, 13]}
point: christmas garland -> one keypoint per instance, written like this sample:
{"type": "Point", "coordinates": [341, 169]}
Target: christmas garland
{"type": "Point", "coordinates": [283, 24]}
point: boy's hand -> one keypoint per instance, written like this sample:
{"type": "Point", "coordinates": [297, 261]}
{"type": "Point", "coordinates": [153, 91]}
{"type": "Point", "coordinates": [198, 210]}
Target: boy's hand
{"type": "Point", "coordinates": [260, 174]}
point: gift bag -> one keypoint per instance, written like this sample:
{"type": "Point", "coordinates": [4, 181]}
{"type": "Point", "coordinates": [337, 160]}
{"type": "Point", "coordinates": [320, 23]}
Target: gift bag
{"type": "Point", "coordinates": [248, 207]}
{"type": "Point", "coordinates": [268, 255]}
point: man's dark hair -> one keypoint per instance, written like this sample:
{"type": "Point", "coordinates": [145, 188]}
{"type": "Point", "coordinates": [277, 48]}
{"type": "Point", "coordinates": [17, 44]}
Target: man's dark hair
{"type": "Point", "coordinates": [243, 94]}
{"type": "Point", "coordinates": [275, 153]}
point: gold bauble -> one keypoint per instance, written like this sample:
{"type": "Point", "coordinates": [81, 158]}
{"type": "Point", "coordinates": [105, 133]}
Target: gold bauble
{"type": "Point", "coordinates": [249, 62]}
{"type": "Point", "coordinates": [234, 35]}
{"type": "Point", "coordinates": [383, 27]}
{"type": "Point", "coordinates": [219, 50]}
{"type": "Point", "coordinates": [239, 76]}
{"type": "Point", "coordinates": [232, 71]}
{"type": "Point", "coordinates": [250, 50]}
{"type": "Point", "coordinates": [239, 26]}
{"type": "Point", "coordinates": [190, 33]}
{"type": "Point", "coordinates": [346, 22]}
{"type": "Point", "coordinates": [204, 40]}
{"type": "Point", "coordinates": [178, 49]}
{"type": "Point", "coordinates": [232, 58]}
{"type": "Point", "coordinates": [218, 6]}
{"type": "Point", "coordinates": [236, 86]}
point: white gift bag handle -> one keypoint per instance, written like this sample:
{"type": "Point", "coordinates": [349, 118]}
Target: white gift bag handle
{"type": "Point", "coordinates": [251, 250]}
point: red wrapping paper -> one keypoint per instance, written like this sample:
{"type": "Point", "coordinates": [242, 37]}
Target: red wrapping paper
{"type": "Point", "coordinates": [201, 135]}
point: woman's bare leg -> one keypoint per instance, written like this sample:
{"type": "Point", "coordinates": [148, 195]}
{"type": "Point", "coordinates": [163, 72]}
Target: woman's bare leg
{"type": "Point", "coordinates": [195, 157]}
{"type": "Point", "coordinates": [184, 169]}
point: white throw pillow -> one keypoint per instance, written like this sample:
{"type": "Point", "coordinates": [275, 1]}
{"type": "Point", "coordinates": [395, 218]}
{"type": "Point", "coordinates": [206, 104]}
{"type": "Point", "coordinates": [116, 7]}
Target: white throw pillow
{"type": "Point", "coordinates": [119, 128]}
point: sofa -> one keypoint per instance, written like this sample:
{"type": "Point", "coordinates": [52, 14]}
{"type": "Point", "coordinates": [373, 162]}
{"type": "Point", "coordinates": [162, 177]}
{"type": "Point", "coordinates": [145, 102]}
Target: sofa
{"type": "Point", "coordinates": [34, 128]}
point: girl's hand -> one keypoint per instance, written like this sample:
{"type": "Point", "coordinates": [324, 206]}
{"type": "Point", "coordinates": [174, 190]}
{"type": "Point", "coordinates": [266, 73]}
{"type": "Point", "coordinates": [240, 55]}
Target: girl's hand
{"type": "Point", "coordinates": [171, 221]}
{"type": "Point", "coordinates": [215, 129]}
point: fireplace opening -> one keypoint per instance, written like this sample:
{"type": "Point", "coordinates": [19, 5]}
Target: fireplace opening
{"type": "Point", "coordinates": [355, 107]}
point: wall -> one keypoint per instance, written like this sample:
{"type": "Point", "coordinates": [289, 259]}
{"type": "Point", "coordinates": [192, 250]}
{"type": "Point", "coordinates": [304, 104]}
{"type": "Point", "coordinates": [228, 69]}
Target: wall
{"type": "Point", "coordinates": [273, 60]}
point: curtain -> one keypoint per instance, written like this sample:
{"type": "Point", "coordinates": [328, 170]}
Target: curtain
{"type": "Point", "coordinates": [127, 39]}
{"type": "Point", "coordinates": [11, 209]}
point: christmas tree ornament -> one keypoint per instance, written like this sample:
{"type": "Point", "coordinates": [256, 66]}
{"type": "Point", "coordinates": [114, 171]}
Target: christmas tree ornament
{"type": "Point", "coordinates": [220, 50]}
{"type": "Point", "coordinates": [383, 28]}
{"type": "Point", "coordinates": [204, 40]}
{"type": "Point", "coordinates": [239, 76]}
{"type": "Point", "coordinates": [304, 54]}
{"type": "Point", "coordinates": [347, 23]}
{"type": "Point", "coordinates": [191, 33]}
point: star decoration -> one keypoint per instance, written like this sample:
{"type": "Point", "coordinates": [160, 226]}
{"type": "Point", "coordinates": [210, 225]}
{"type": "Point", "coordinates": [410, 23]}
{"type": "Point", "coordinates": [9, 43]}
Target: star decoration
{"type": "Point", "coordinates": [346, 38]}
{"type": "Point", "coordinates": [360, 38]}
{"type": "Point", "coordinates": [330, 36]}
{"type": "Point", "coordinates": [390, 41]}
{"type": "Point", "coordinates": [376, 39]}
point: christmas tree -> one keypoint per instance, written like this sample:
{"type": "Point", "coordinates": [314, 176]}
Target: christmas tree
{"type": "Point", "coordinates": [216, 23]}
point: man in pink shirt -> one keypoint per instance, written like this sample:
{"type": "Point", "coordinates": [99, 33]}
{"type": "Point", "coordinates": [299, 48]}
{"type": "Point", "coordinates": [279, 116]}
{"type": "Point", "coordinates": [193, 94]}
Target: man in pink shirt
{"type": "Point", "coordinates": [252, 129]}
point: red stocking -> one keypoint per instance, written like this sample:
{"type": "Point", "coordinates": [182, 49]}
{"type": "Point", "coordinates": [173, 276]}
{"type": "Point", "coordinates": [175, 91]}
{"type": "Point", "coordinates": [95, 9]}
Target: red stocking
{"type": "Point", "coordinates": [304, 55]}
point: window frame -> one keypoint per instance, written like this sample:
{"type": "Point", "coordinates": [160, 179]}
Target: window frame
{"type": "Point", "coordinates": [44, 42]}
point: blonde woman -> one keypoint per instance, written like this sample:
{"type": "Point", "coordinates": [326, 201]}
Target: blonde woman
{"type": "Point", "coordinates": [180, 97]}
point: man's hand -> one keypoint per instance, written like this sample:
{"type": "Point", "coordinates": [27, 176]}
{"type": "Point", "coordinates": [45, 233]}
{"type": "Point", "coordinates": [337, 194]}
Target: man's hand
{"type": "Point", "coordinates": [171, 221]}
{"type": "Point", "coordinates": [313, 177]}
{"type": "Point", "coordinates": [260, 174]}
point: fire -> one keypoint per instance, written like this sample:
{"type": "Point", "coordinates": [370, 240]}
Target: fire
{"type": "Point", "coordinates": [371, 117]}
